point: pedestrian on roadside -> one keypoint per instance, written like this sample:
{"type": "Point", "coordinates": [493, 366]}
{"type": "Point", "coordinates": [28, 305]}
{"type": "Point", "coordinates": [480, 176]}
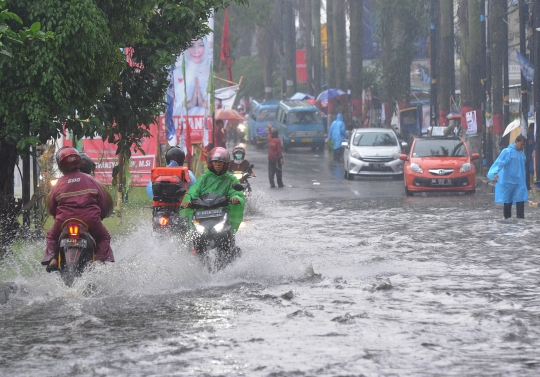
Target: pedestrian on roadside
{"type": "Point", "coordinates": [508, 172]}
{"type": "Point", "coordinates": [220, 137]}
{"type": "Point", "coordinates": [338, 134]}
{"type": "Point", "coordinates": [275, 157]}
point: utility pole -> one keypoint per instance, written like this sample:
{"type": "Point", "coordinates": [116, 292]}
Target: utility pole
{"type": "Point", "coordinates": [483, 75]}
{"type": "Point", "coordinates": [506, 84]}
{"type": "Point", "coordinates": [523, 12]}
{"type": "Point", "coordinates": [433, 16]}
{"type": "Point", "coordinates": [489, 98]}
{"type": "Point", "coordinates": [536, 86]}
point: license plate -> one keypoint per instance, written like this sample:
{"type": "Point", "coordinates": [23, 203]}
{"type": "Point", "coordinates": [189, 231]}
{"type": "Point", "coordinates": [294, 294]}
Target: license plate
{"type": "Point", "coordinates": [208, 213]}
{"type": "Point", "coordinates": [73, 242]}
{"type": "Point", "coordinates": [306, 140]}
{"type": "Point", "coordinates": [441, 182]}
{"type": "Point", "coordinates": [377, 166]}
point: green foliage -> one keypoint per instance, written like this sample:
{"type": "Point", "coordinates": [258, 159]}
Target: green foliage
{"type": "Point", "coordinates": [11, 37]}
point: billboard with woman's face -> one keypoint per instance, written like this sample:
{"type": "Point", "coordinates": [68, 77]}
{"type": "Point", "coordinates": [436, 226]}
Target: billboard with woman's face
{"type": "Point", "coordinates": [188, 97]}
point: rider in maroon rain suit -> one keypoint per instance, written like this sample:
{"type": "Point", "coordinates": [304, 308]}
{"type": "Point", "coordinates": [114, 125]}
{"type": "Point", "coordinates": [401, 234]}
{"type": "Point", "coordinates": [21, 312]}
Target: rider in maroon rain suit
{"type": "Point", "coordinates": [77, 195]}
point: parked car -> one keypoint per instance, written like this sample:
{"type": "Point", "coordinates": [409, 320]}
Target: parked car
{"type": "Point", "coordinates": [260, 115]}
{"type": "Point", "coordinates": [300, 125]}
{"type": "Point", "coordinates": [439, 164]}
{"type": "Point", "coordinates": [373, 152]}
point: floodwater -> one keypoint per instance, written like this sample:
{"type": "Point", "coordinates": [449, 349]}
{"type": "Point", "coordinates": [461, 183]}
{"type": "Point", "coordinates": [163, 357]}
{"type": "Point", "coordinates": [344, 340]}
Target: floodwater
{"type": "Point", "coordinates": [422, 286]}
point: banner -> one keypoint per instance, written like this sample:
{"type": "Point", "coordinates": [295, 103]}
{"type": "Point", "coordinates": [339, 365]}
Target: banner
{"type": "Point", "coordinates": [301, 66]}
{"type": "Point", "coordinates": [527, 69]}
{"type": "Point", "coordinates": [189, 80]}
{"type": "Point", "coordinates": [225, 97]}
{"type": "Point", "coordinates": [472, 125]}
{"type": "Point", "coordinates": [103, 154]}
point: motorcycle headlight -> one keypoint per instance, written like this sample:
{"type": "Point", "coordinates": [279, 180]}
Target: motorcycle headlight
{"type": "Point", "coordinates": [465, 167]}
{"type": "Point", "coordinates": [198, 227]}
{"type": "Point", "coordinates": [356, 155]}
{"type": "Point", "coordinates": [241, 127]}
{"type": "Point", "coordinates": [416, 168]}
{"type": "Point", "coordinates": [219, 226]}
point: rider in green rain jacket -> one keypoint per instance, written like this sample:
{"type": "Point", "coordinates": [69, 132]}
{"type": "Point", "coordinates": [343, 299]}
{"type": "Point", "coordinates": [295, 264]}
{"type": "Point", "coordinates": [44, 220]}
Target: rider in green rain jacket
{"type": "Point", "coordinates": [217, 180]}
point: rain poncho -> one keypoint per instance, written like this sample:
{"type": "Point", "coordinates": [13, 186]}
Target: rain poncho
{"type": "Point", "coordinates": [510, 166]}
{"type": "Point", "coordinates": [219, 185]}
{"type": "Point", "coordinates": [338, 132]}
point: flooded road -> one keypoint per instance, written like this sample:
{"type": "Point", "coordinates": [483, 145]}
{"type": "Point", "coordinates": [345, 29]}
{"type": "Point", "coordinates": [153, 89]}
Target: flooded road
{"type": "Point", "coordinates": [389, 286]}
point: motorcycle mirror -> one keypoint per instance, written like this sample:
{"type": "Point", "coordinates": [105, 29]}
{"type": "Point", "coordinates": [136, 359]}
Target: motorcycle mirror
{"type": "Point", "coordinates": [238, 187]}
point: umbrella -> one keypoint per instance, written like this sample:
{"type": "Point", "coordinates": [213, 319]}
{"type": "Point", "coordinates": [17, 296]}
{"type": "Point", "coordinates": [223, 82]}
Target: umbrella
{"type": "Point", "coordinates": [516, 123]}
{"type": "Point", "coordinates": [300, 96]}
{"type": "Point", "coordinates": [330, 93]}
{"type": "Point", "coordinates": [228, 114]}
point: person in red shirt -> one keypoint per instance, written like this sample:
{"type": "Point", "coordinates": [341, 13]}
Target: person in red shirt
{"type": "Point", "coordinates": [275, 157]}
{"type": "Point", "coordinates": [77, 195]}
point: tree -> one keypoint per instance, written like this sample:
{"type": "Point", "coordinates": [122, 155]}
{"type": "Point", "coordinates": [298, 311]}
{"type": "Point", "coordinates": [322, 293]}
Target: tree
{"type": "Point", "coordinates": [330, 55]}
{"type": "Point", "coordinates": [399, 25]}
{"type": "Point", "coordinates": [289, 39]}
{"type": "Point", "coordinates": [340, 44]}
{"type": "Point", "coordinates": [317, 57]}
{"type": "Point", "coordinates": [356, 12]}
{"type": "Point", "coordinates": [445, 60]}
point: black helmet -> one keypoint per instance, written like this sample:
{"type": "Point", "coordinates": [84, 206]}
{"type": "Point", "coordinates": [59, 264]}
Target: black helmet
{"type": "Point", "coordinates": [175, 154]}
{"type": "Point", "coordinates": [87, 165]}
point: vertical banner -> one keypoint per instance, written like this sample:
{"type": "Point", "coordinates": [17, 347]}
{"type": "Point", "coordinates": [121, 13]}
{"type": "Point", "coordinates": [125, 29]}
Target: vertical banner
{"type": "Point", "coordinates": [190, 99]}
{"type": "Point", "coordinates": [472, 125]}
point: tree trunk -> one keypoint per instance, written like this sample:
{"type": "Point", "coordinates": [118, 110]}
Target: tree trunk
{"type": "Point", "coordinates": [317, 57]}
{"type": "Point", "coordinates": [356, 13]}
{"type": "Point", "coordinates": [8, 211]}
{"type": "Point", "coordinates": [308, 39]}
{"type": "Point", "coordinates": [330, 54]}
{"type": "Point", "coordinates": [120, 187]}
{"type": "Point", "coordinates": [290, 47]}
{"type": "Point", "coordinates": [498, 36]}
{"type": "Point", "coordinates": [446, 60]}
{"type": "Point", "coordinates": [340, 45]}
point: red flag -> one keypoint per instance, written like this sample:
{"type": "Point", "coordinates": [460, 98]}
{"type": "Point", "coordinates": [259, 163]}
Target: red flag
{"type": "Point", "coordinates": [226, 44]}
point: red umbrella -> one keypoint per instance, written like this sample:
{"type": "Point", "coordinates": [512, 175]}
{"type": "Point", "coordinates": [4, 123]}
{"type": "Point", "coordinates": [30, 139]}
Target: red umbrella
{"type": "Point", "coordinates": [228, 114]}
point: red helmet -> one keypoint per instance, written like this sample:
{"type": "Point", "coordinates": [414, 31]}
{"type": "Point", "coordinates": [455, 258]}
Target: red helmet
{"type": "Point", "coordinates": [220, 154]}
{"type": "Point", "coordinates": [68, 159]}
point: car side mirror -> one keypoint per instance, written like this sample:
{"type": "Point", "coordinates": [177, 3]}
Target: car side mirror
{"type": "Point", "coordinates": [345, 144]}
{"type": "Point", "coordinates": [475, 156]}
{"type": "Point", "coordinates": [404, 157]}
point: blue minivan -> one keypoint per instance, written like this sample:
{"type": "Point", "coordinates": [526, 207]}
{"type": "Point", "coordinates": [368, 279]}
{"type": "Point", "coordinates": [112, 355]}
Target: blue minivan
{"type": "Point", "coordinates": [300, 125]}
{"type": "Point", "coordinates": [260, 115]}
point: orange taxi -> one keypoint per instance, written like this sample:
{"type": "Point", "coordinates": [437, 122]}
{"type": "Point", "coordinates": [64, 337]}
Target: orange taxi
{"type": "Point", "coordinates": [439, 164]}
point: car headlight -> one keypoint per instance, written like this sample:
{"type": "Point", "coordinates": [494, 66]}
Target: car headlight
{"type": "Point", "coordinates": [219, 226]}
{"type": "Point", "coordinates": [356, 155]}
{"type": "Point", "coordinates": [396, 154]}
{"type": "Point", "coordinates": [198, 227]}
{"type": "Point", "coordinates": [416, 168]}
{"type": "Point", "coordinates": [465, 167]}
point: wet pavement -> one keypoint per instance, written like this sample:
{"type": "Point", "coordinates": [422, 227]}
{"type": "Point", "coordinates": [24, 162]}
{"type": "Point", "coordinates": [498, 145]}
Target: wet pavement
{"type": "Point", "coordinates": [337, 279]}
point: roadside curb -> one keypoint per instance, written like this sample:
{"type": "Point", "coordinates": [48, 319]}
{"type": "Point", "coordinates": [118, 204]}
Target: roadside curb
{"type": "Point", "coordinates": [490, 187]}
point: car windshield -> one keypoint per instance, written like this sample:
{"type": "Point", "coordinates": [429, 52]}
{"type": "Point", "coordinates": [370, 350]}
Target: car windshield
{"type": "Point", "coordinates": [374, 139]}
{"type": "Point", "coordinates": [439, 148]}
{"type": "Point", "coordinates": [266, 115]}
{"type": "Point", "coordinates": [304, 117]}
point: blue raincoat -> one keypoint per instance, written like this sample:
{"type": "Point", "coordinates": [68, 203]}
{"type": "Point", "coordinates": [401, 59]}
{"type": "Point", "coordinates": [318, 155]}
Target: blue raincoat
{"type": "Point", "coordinates": [510, 166]}
{"type": "Point", "coordinates": [337, 132]}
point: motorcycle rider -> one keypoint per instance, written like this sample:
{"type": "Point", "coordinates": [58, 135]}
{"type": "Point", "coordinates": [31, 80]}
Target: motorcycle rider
{"type": "Point", "coordinates": [87, 165]}
{"type": "Point", "coordinates": [174, 157]}
{"type": "Point", "coordinates": [239, 162]}
{"type": "Point", "coordinates": [219, 181]}
{"type": "Point", "coordinates": [77, 195]}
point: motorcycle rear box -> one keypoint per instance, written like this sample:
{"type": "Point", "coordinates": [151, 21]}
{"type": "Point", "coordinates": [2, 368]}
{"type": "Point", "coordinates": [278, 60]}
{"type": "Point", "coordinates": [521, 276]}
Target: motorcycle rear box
{"type": "Point", "coordinates": [168, 184]}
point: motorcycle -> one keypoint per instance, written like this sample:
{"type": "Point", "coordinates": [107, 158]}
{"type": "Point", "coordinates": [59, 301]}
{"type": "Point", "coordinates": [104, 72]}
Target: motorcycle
{"type": "Point", "coordinates": [213, 230]}
{"type": "Point", "coordinates": [243, 178]}
{"type": "Point", "coordinates": [166, 220]}
{"type": "Point", "coordinates": [77, 250]}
